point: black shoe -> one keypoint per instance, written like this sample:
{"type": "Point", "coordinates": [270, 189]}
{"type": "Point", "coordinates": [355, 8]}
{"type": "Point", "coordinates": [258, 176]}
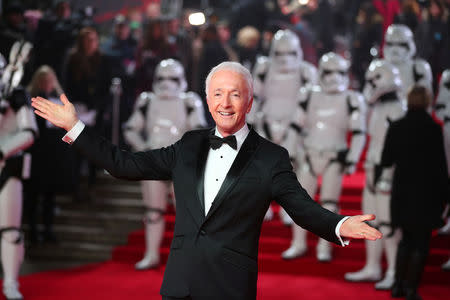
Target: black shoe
{"type": "Point", "coordinates": [398, 290]}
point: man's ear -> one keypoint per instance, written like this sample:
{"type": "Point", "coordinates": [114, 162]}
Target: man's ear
{"type": "Point", "coordinates": [249, 108]}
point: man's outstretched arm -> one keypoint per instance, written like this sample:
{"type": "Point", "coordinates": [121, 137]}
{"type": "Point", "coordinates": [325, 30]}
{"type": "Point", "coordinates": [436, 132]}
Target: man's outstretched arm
{"type": "Point", "coordinates": [308, 214]}
{"type": "Point", "coordinates": [150, 165]}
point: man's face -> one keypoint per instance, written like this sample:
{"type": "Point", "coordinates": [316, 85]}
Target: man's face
{"type": "Point", "coordinates": [228, 101]}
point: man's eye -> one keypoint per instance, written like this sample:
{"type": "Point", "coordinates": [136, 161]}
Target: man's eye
{"type": "Point", "coordinates": [236, 95]}
{"type": "Point", "coordinates": [217, 94]}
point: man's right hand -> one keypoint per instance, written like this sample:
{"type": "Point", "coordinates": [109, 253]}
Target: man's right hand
{"type": "Point", "coordinates": [64, 116]}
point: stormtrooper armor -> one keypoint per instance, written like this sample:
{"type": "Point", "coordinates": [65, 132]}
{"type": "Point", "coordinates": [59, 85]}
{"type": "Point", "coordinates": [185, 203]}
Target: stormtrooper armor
{"type": "Point", "coordinates": [443, 110]}
{"type": "Point", "coordinates": [325, 114]}
{"type": "Point", "coordinates": [18, 129]}
{"type": "Point", "coordinates": [382, 91]}
{"type": "Point", "coordinates": [160, 119]}
{"type": "Point", "coordinates": [399, 49]}
{"type": "Point", "coordinates": [443, 113]}
{"type": "Point", "coordinates": [277, 80]}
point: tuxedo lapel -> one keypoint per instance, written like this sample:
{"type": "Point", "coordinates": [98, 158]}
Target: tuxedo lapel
{"type": "Point", "coordinates": [240, 163]}
{"type": "Point", "coordinates": [197, 207]}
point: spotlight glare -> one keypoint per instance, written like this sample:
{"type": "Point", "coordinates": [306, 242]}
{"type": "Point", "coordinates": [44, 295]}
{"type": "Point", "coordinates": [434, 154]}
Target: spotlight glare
{"type": "Point", "coordinates": [303, 2]}
{"type": "Point", "coordinates": [197, 18]}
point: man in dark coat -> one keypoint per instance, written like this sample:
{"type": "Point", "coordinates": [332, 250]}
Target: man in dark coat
{"type": "Point", "coordinates": [224, 180]}
{"type": "Point", "coordinates": [414, 144]}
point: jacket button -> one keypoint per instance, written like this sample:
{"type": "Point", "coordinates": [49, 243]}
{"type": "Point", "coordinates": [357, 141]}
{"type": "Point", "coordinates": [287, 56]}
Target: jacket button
{"type": "Point", "coordinates": [202, 232]}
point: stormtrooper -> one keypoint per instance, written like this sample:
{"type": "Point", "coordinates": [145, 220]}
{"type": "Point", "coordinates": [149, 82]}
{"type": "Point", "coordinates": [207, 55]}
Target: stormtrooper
{"type": "Point", "coordinates": [277, 79]}
{"type": "Point", "coordinates": [399, 49]}
{"type": "Point", "coordinates": [383, 90]}
{"type": "Point", "coordinates": [18, 129]}
{"type": "Point", "coordinates": [160, 119]}
{"type": "Point", "coordinates": [324, 116]}
{"type": "Point", "coordinates": [442, 109]}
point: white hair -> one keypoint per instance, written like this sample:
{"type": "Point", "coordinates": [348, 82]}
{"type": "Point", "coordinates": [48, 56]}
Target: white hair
{"type": "Point", "coordinates": [235, 67]}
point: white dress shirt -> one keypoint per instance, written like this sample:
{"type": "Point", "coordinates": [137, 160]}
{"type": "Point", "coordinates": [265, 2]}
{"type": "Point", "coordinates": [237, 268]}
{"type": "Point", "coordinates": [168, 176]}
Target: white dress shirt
{"type": "Point", "coordinates": [218, 164]}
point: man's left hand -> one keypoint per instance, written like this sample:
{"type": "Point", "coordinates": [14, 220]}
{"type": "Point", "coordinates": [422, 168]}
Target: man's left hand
{"type": "Point", "coordinates": [355, 227]}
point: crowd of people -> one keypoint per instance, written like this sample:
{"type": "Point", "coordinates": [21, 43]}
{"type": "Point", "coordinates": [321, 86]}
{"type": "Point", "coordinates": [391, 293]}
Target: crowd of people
{"type": "Point", "coordinates": [372, 63]}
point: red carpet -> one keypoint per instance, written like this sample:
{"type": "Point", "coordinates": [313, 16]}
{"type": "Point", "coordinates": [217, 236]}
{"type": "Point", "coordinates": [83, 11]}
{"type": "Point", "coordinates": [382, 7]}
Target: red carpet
{"type": "Point", "coordinates": [304, 278]}
{"type": "Point", "coordinates": [114, 281]}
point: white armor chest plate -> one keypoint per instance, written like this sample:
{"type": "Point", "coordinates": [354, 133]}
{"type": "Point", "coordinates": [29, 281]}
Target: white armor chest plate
{"type": "Point", "coordinates": [378, 125]}
{"type": "Point", "coordinates": [327, 122]}
{"type": "Point", "coordinates": [280, 94]}
{"type": "Point", "coordinates": [407, 76]}
{"type": "Point", "coordinates": [166, 121]}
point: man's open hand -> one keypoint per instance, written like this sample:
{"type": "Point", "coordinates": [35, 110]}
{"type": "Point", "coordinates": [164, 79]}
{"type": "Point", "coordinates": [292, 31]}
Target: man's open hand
{"type": "Point", "coordinates": [356, 227]}
{"type": "Point", "coordinates": [63, 116]}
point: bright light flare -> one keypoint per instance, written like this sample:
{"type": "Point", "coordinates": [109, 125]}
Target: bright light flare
{"type": "Point", "coordinates": [303, 2]}
{"type": "Point", "coordinates": [197, 19]}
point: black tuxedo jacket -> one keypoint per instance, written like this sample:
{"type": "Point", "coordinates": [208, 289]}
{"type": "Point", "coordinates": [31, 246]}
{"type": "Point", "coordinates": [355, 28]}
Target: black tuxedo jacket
{"type": "Point", "coordinates": [215, 256]}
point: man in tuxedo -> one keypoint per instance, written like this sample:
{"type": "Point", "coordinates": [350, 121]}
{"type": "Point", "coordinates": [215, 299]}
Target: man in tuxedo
{"type": "Point", "coordinates": [224, 180]}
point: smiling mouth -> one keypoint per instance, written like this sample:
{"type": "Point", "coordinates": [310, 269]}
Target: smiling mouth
{"type": "Point", "coordinates": [226, 114]}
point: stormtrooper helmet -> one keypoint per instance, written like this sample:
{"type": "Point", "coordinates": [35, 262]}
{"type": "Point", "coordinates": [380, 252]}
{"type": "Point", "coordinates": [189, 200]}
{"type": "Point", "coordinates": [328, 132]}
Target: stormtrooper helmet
{"type": "Point", "coordinates": [285, 51]}
{"type": "Point", "coordinates": [399, 44]}
{"type": "Point", "coordinates": [169, 80]}
{"type": "Point", "coordinates": [333, 72]}
{"type": "Point", "coordinates": [381, 77]}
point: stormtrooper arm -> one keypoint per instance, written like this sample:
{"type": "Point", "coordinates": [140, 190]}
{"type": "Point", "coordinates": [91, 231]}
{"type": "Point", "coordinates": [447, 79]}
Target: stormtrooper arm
{"type": "Point", "coordinates": [133, 127]}
{"type": "Point", "coordinates": [387, 164]}
{"type": "Point", "coordinates": [259, 75]}
{"type": "Point", "coordinates": [384, 183]}
{"type": "Point", "coordinates": [422, 71]}
{"type": "Point", "coordinates": [442, 107]}
{"type": "Point", "coordinates": [293, 141]}
{"type": "Point", "coordinates": [23, 137]}
{"type": "Point", "coordinates": [309, 75]}
{"type": "Point", "coordinates": [357, 124]}
{"type": "Point", "coordinates": [196, 117]}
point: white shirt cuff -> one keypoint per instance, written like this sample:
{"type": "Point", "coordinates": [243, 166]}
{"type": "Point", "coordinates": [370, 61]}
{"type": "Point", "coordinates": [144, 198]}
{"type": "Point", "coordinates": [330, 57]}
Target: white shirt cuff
{"type": "Point", "coordinates": [73, 133]}
{"type": "Point", "coordinates": [338, 228]}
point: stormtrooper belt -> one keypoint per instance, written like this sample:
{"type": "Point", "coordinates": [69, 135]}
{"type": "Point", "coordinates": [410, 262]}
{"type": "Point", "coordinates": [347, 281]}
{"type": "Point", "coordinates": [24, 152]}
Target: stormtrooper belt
{"type": "Point", "coordinates": [13, 168]}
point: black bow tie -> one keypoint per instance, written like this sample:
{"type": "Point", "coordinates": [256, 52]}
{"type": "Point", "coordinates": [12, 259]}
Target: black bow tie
{"type": "Point", "coordinates": [216, 141]}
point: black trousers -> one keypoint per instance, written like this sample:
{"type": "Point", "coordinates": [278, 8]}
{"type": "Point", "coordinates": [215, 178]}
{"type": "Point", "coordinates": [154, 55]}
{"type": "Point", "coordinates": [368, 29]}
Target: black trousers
{"type": "Point", "coordinates": [173, 298]}
{"type": "Point", "coordinates": [411, 256]}
{"type": "Point", "coordinates": [416, 240]}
